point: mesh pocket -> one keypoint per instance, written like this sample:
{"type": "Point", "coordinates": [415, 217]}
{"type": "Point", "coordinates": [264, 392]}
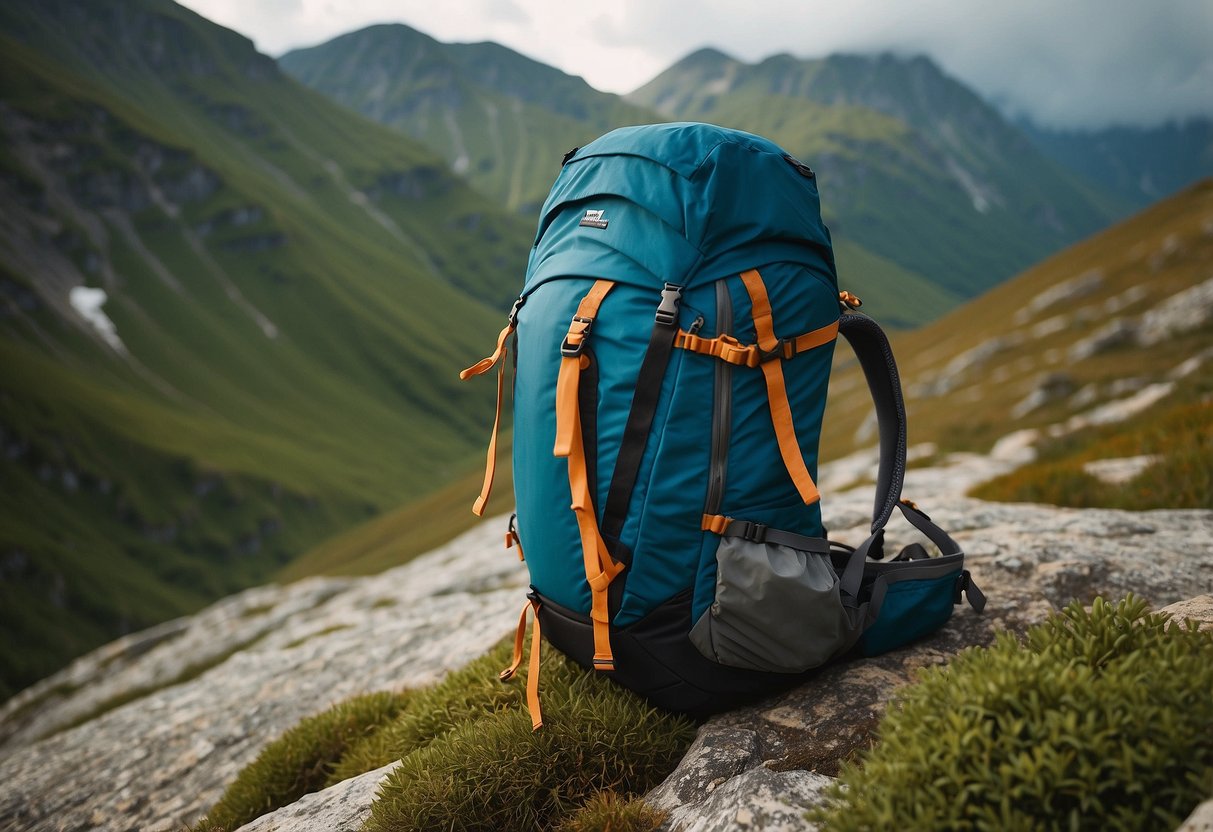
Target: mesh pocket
{"type": "Point", "coordinates": [776, 609]}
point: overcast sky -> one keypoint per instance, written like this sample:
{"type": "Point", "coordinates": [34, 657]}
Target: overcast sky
{"type": "Point", "coordinates": [1065, 63]}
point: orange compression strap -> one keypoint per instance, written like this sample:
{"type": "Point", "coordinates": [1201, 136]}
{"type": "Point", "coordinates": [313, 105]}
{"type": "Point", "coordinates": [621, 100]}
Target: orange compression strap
{"type": "Point", "coordinates": [532, 672]}
{"type": "Point", "coordinates": [483, 366]}
{"type": "Point", "coordinates": [777, 393]}
{"type": "Point", "coordinates": [600, 568]}
{"type": "Point", "coordinates": [730, 350]}
{"type": "Point", "coordinates": [715, 523]}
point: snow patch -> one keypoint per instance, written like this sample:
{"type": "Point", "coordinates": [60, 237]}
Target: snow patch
{"type": "Point", "coordinates": [87, 302]}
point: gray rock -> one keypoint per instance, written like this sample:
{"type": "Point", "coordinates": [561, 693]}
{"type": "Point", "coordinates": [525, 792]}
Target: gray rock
{"type": "Point", "coordinates": [207, 693]}
{"type": "Point", "coordinates": [340, 808]}
{"type": "Point", "coordinates": [1201, 819]}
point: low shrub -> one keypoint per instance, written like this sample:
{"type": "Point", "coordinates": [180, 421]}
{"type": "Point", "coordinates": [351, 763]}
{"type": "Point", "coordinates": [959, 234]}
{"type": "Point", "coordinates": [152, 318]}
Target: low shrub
{"type": "Point", "coordinates": [1099, 720]}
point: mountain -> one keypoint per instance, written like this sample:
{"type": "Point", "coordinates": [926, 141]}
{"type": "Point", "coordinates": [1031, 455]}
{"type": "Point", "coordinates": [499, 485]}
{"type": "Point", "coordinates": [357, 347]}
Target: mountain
{"type": "Point", "coordinates": [1111, 339]}
{"type": "Point", "coordinates": [1139, 164]}
{"type": "Point", "coordinates": [231, 318]}
{"type": "Point", "coordinates": [499, 118]}
{"type": "Point", "coordinates": [913, 166]}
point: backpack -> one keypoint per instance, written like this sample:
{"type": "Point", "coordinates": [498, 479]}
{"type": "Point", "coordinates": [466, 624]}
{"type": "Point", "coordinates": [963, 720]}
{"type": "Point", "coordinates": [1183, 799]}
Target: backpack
{"type": "Point", "coordinates": [672, 349]}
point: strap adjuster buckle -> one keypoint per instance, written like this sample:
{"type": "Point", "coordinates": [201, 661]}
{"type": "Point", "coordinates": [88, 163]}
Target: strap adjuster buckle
{"type": "Point", "coordinates": [751, 531]}
{"type": "Point", "coordinates": [573, 350]}
{"type": "Point", "coordinates": [667, 310]}
{"type": "Point", "coordinates": [774, 353]}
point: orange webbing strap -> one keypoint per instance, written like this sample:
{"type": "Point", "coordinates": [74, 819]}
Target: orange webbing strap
{"type": "Point", "coordinates": [729, 349]}
{"type": "Point", "coordinates": [532, 671]}
{"type": "Point", "coordinates": [600, 568]}
{"type": "Point", "coordinates": [777, 393]}
{"type": "Point", "coordinates": [483, 366]}
{"type": "Point", "coordinates": [715, 523]}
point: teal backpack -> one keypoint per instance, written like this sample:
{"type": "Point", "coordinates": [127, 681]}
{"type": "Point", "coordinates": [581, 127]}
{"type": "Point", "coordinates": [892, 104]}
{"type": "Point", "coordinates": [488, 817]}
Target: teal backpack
{"type": "Point", "coordinates": [673, 344]}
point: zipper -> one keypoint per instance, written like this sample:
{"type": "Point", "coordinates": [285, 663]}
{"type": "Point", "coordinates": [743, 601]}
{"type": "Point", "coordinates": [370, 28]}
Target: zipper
{"type": "Point", "coordinates": [722, 406]}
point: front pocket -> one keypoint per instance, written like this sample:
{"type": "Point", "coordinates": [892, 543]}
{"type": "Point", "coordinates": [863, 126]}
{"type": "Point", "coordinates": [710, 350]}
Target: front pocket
{"type": "Point", "coordinates": [776, 609]}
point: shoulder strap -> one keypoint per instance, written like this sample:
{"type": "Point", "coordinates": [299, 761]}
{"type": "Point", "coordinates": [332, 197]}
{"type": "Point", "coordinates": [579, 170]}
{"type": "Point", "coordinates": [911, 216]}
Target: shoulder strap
{"type": "Point", "coordinates": [876, 357]}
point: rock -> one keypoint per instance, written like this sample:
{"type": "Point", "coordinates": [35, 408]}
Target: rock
{"type": "Point", "coordinates": [1199, 609]}
{"type": "Point", "coordinates": [1121, 469]}
{"type": "Point", "coordinates": [1061, 294]}
{"type": "Point", "coordinates": [168, 717]}
{"type": "Point", "coordinates": [204, 700]}
{"type": "Point", "coordinates": [1201, 819]}
{"type": "Point", "coordinates": [340, 808]}
{"type": "Point", "coordinates": [1182, 312]}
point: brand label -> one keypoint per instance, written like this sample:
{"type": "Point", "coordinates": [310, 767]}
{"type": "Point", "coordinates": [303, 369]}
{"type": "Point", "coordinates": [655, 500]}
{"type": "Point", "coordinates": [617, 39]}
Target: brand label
{"type": "Point", "coordinates": [593, 219]}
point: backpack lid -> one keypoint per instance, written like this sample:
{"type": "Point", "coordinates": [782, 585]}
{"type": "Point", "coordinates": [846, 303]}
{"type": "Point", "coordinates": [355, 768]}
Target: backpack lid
{"type": "Point", "coordinates": [684, 203]}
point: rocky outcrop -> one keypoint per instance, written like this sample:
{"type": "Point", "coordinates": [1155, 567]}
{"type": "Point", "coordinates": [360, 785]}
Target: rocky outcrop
{"type": "Point", "coordinates": [166, 718]}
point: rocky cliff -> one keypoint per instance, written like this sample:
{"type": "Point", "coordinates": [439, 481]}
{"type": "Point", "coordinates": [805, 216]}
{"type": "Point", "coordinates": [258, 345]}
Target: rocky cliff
{"type": "Point", "coordinates": [146, 732]}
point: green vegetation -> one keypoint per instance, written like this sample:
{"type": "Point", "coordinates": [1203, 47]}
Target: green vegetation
{"type": "Point", "coordinates": [1014, 343]}
{"type": "Point", "coordinates": [607, 812]}
{"type": "Point", "coordinates": [502, 120]}
{"type": "Point", "coordinates": [301, 760]}
{"type": "Point", "coordinates": [1182, 477]}
{"type": "Point", "coordinates": [296, 289]}
{"type": "Point", "coordinates": [1099, 720]}
{"type": "Point", "coordinates": [470, 759]}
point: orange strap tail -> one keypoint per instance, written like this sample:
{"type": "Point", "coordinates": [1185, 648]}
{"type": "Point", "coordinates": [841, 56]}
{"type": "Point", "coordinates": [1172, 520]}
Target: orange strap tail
{"type": "Point", "coordinates": [777, 393]}
{"type": "Point", "coordinates": [600, 568]}
{"type": "Point", "coordinates": [532, 672]}
{"type": "Point", "coordinates": [480, 367]}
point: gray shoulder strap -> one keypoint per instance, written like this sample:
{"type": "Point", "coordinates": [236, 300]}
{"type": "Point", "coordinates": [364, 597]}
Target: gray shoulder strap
{"type": "Point", "coordinates": [876, 357]}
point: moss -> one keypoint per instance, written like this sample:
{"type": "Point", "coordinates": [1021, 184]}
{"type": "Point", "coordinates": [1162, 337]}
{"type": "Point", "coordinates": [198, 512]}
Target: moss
{"type": "Point", "coordinates": [494, 772]}
{"type": "Point", "coordinates": [469, 759]}
{"type": "Point", "coordinates": [1100, 720]}
{"type": "Point", "coordinates": [301, 760]}
{"type": "Point", "coordinates": [608, 812]}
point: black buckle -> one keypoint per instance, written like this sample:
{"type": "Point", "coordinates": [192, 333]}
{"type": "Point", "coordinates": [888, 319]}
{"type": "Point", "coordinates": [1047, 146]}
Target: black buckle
{"type": "Point", "coordinates": [513, 317]}
{"type": "Point", "coordinates": [573, 350]}
{"type": "Point", "coordinates": [667, 310]}
{"type": "Point", "coordinates": [772, 354]}
{"type": "Point", "coordinates": [751, 531]}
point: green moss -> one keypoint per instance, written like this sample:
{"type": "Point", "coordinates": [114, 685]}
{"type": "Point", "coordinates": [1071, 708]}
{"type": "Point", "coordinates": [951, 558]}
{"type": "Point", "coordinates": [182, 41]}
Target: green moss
{"type": "Point", "coordinates": [464, 696]}
{"type": "Point", "coordinates": [493, 772]}
{"type": "Point", "coordinates": [469, 758]}
{"type": "Point", "coordinates": [1101, 720]}
{"type": "Point", "coordinates": [608, 812]}
{"type": "Point", "coordinates": [301, 760]}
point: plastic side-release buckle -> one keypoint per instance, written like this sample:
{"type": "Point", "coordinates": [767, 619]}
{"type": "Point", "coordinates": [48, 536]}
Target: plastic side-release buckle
{"type": "Point", "coordinates": [667, 310]}
{"type": "Point", "coordinates": [749, 530]}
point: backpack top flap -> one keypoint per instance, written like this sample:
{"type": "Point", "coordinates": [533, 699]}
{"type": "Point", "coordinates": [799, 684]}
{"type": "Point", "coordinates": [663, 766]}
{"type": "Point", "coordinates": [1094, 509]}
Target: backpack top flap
{"type": "Point", "coordinates": [685, 203]}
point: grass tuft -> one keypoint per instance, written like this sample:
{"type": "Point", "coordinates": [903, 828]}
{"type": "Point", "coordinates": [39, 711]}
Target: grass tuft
{"type": "Point", "coordinates": [301, 760]}
{"type": "Point", "coordinates": [608, 812]}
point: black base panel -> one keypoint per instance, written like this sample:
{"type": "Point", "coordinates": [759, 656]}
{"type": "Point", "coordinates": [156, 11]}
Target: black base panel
{"type": "Point", "coordinates": [655, 658]}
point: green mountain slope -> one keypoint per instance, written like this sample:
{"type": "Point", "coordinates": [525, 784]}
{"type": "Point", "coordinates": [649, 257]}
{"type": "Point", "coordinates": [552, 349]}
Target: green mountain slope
{"type": "Point", "coordinates": [499, 118]}
{"type": "Point", "coordinates": [913, 166]}
{"type": "Point", "coordinates": [1118, 326]}
{"type": "Point", "coordinates": [1139, 164]}
{"type": "Point", "coordinates": [291, 288]}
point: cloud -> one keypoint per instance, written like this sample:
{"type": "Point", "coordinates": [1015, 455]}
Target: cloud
{"type": "Point", "coordinates": [1067, 64]}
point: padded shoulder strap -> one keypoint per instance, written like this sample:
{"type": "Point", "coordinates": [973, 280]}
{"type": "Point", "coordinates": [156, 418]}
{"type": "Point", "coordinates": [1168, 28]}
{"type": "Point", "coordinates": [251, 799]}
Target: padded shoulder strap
{"type": "Point", "coordinates": [876, 357]}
